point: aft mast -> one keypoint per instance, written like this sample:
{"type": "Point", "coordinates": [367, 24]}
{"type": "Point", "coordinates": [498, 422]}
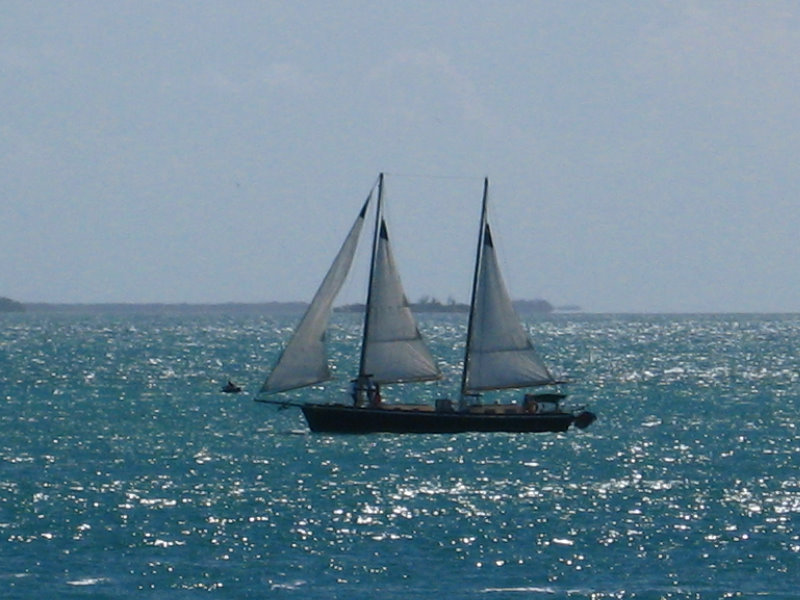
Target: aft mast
{"type": "Point", "coordinates": [500, 353]}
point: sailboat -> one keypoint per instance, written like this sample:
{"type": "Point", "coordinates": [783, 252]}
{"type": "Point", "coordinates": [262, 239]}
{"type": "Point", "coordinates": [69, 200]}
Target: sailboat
{"type": "Point", "coordinates": [499, 353]}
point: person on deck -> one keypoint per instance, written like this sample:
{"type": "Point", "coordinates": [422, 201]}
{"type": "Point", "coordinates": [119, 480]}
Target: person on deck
{"type": "Point", "coordinates": [375, 395]}
{"type": "Point", "coordinates": [357, 388]}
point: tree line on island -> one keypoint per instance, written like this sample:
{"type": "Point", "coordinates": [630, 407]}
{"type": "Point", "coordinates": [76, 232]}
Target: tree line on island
{"type": "Point", "coordinates": [9, 305]}
{"type": "Point", "coordinates": [428, 304]}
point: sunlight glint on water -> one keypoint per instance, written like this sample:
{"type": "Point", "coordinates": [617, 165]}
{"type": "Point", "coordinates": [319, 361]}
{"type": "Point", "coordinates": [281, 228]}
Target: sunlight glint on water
{"type": "Point", "coordinates": [123, 469]}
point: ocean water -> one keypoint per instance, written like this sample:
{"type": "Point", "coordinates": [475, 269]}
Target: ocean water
{"type": "Point", "coordinates": [125, 473]}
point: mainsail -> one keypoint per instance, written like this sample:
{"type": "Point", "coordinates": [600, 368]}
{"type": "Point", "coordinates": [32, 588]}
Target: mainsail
{"type": "Point", "coordinates": [304, 361]}
{"type": "Point", "coordinates": [499, 353]}
{"type": "Point", "coordinates": [393, 348]}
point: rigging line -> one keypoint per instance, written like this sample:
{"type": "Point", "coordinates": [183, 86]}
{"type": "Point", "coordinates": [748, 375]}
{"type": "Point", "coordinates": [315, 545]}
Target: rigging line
{"type": "Point", "coordinates": [430, 176]}
{"type": "Point", "coordinates": [280, 403]}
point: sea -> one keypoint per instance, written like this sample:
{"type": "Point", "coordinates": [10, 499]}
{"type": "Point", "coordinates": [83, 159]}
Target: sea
{"type": "Point", "coordinates": [126, 473]}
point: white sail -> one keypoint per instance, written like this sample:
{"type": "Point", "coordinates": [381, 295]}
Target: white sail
{"type": "Point", "coordinates": [393, 347]}
{"type": "Point", "coordinates": [499, 350]}
{"type": "Point", "coordinates": [304, 360]}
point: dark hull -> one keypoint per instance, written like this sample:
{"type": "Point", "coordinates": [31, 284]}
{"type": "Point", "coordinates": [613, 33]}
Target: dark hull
{"type": "Point", "coordinates": [337, 418]}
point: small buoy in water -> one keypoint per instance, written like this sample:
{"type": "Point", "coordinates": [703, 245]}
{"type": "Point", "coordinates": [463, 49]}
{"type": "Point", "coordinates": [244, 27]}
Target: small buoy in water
{"type": "Point", "coordinates": [231, 388]}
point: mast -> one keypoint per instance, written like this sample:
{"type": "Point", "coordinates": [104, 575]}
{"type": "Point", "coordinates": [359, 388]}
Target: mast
{"type": "Point", "coordinates": [378, 220]}
{"type": "Point", "coordinates": [478, 255]}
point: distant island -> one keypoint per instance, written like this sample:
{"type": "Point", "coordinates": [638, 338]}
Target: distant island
{"type": "Point", "coordinates": [533, 306]}
{"type": "Point", "coordinates": [9, 305]}
{"type": "Point", "coordinates": [426, 304]}
{"type": "Point", "coordinates": [182, 308]}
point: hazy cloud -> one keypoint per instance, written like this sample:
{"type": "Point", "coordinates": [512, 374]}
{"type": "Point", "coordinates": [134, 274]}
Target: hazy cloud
{"type": "Point", "coordinates": [428, 84]}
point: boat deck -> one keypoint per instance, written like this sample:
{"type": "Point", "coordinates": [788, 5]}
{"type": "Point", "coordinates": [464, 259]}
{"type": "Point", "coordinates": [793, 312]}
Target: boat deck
{"type": "Point", "coordinates": [477, 409]}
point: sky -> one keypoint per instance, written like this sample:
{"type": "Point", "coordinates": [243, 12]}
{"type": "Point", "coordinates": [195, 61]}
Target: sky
{"type": "Point", "coordinates": [641, 155]}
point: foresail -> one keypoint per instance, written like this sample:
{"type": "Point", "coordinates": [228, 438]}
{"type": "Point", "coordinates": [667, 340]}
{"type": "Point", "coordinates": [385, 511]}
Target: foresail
{"type": "Point", "coordinates": [499, 353]}
{"type": "Point", "coordinates": [304, 360]}
{"type": "Point", "coordinates": [393, 347]}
